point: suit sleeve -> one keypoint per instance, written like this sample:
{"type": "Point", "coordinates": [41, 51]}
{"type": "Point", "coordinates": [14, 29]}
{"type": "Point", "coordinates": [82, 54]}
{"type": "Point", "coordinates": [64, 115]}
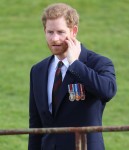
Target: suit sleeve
{"type": "Point", "coordinates": [34, 142]}
{"type": "Point", "coordinates": [99, 80]}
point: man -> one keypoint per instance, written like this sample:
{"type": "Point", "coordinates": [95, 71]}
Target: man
{"type": "Point", "coordinates": [88, 82]}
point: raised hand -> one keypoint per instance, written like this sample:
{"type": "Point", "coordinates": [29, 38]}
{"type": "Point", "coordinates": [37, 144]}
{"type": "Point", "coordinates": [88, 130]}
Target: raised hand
{"type": "Point", "coordinates": [74, 49]}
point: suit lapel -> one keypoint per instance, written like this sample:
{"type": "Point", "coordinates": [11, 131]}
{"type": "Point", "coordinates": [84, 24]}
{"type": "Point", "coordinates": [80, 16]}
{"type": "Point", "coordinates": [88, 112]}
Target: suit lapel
{"type": "Point", "coordinates": [42, 84]}
{"type": "Point", "coordinates": [64, 89]}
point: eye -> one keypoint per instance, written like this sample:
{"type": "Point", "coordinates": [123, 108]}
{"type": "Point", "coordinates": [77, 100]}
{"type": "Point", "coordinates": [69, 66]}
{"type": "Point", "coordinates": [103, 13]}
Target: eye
{"type": "Point", "coordinates": [61, 32]}
{"type": "Point", "coordinates": [50, 32]}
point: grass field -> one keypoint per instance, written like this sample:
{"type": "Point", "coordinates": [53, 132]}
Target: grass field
{"type": "Point", "coordinates": [104, 28]}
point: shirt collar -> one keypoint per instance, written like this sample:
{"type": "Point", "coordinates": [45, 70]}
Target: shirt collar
{"type": "Point", "coordinates": [65, 62]}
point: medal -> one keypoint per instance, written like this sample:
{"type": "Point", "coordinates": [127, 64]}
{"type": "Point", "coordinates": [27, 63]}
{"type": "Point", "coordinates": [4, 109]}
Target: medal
{"type": "Point", "coordinates": [76, 92]}
{"type": "Point", "coordinates": [71, 92]}
{"type": "Point", "coordinates": [82, 92]}
{"type": "Point", "coordinates": [76, 88]}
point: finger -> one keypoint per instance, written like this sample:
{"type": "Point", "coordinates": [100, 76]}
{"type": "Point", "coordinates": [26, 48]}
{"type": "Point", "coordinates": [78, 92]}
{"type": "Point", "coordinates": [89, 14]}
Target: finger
{"type": "Point", "coordinates": [71, 41]}
{"type": "Point", "coordinates": [74, 41]}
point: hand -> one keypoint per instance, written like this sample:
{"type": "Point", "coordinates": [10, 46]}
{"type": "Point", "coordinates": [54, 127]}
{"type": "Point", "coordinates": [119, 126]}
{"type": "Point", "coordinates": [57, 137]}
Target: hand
{"type": "Point", "coordinates": [74, 49]}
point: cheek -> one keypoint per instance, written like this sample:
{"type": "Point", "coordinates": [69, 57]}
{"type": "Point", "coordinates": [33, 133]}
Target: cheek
{"type": "Point", "coordinates": [63, 37]}
{"type": "Point", "coordinates": [47, 38]}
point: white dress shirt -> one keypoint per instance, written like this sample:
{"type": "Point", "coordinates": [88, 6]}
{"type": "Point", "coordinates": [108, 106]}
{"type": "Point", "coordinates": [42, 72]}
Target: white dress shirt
{"type": "Point", "coordinates": [51, 75]}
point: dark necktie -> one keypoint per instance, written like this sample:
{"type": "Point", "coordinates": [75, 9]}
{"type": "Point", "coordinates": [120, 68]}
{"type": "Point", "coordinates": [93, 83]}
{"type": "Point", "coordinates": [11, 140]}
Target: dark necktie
{"type": "Point", "coordinates": [56, 85]}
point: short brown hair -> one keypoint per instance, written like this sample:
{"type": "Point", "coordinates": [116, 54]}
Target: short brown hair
{"type": "Point", "coordinates": [58, 10]}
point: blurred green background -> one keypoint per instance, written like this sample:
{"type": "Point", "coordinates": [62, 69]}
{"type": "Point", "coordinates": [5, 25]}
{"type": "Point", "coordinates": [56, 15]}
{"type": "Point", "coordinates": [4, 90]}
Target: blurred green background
{"type": "Point", "coordinates": [104, 28]}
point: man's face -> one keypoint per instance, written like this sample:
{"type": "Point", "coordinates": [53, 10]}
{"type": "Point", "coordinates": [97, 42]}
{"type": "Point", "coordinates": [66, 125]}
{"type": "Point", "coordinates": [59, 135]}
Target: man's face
{"type": "Point", "coordinates": [56, 33]}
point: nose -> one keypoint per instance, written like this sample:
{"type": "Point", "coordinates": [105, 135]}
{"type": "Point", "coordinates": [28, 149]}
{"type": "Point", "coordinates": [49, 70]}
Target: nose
{"type": "Point", "coordinates": [55, 37]}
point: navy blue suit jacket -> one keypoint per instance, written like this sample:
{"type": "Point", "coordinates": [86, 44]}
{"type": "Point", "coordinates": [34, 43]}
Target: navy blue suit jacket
{"type": "Point", "coordinates": [97, 74]}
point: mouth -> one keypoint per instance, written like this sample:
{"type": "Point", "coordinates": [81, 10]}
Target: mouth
{"type": "Point", "coordinates": [56, 45]}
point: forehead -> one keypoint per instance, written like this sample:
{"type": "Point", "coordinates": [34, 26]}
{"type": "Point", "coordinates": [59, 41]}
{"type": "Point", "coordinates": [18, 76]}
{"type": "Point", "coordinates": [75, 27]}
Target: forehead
{"type": "Point", "coordinates": [59, 23]}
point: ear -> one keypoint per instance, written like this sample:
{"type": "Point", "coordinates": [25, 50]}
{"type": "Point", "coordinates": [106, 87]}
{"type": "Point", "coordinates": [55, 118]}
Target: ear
{"type": "Point", "coordinates": [75, 31]}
